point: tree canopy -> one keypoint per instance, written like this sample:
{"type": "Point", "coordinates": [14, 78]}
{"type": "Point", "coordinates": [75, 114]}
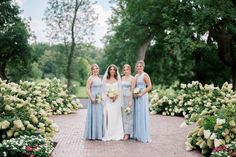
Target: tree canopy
{"type": "Point", "coordinates": [14, 47]}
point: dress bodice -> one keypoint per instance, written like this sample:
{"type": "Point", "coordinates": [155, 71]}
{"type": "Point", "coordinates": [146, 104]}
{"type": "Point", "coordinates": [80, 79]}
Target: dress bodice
{"type": "Point", "coordinates": [96, 86]}
{"type": "Point", "coordinates": [140, 81]}
{"type": "Point", "coordinates": [126, 87]}
{"type": "Point", "coordinates": [112, 85]}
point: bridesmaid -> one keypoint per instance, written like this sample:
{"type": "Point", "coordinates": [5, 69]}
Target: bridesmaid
{"type": "Point", "coordinates": [94, 128]}
{"type": "Point", "coordinates": [128, 84]}
{"type": "Point", "coordinates": [141, 107]}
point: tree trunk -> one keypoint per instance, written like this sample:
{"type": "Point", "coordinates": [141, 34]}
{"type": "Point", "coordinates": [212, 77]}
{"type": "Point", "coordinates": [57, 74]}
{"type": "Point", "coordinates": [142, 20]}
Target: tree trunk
{"type": "Point", "coordinates": [72, 48]}
{"type": "Point", "coordinates": [234, 77]}
{"type": "Point", "coordinates": [224, 41]}
{"type": "Point", "coordinates": [2, 71]}
{"type": "Point", "coordinates": [142, 49]}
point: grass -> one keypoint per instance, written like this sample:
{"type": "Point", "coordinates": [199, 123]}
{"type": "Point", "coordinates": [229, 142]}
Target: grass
{"type": "Point", "coordinates": [81, 92]}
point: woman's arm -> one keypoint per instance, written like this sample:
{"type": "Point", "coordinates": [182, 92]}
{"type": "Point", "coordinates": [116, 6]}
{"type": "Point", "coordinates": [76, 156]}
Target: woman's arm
{"type": "Point", "coordinates": [133, 82]}
{"type": "Point", "coordinates": [88, 89]}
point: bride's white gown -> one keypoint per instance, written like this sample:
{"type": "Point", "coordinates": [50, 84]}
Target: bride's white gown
{"type": "Point", "coordinates": [113, 116]}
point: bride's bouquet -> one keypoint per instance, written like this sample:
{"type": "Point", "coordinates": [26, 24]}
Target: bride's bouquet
{"type": "Point", "coordinates": [112, 93]}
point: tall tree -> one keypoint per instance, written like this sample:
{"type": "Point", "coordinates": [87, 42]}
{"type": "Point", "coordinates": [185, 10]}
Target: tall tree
{"type": "Point", "coordinates": [183, 26]}
{"type": "Point", "coordinates": [14, 34]}
{"type": "Point", "coordinates": [70, 22]}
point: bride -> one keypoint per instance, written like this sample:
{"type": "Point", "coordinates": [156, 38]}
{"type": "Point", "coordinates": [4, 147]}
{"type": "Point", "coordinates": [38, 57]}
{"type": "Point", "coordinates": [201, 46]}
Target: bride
{"type": "Point", "coordinates": [112, 94]}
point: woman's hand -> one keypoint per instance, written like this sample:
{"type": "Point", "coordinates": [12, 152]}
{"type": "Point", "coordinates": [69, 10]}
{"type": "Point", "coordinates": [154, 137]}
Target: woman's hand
{"type": "Point", "coordinates": [93, 100]}
{"type": "Point", "coordinates": [114, 98]}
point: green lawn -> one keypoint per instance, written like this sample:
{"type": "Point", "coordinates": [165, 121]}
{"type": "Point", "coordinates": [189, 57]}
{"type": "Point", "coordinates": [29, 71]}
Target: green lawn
{"type": "Point", "coordinates": [81, 92]}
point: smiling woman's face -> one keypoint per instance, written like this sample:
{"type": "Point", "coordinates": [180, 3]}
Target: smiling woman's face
{"type": "Point", "coordinates": [112, 71]}
{"type": "Point", "coordinates": [139, 68]}
{"type": "Point", "coordinates": [95, 70]}
{"type": "Point", "coordinates": [126, 71]}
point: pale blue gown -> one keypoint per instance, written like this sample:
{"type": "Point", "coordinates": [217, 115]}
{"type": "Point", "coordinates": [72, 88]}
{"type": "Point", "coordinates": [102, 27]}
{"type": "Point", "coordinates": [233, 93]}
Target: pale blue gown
{"type": "Point", "coordinates": [141, 113]}
{"type": "Point", "coordinates": [94, 128]}
{"type": "Point", "coordinates": [127, 118]}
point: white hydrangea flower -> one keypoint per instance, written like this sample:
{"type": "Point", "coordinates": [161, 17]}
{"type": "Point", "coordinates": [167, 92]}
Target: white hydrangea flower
{"type": "Point", "coordinates": [207, 134]}
{"type": "Point", "coordinates": [4, 124]}
{"type": "Point", "coordinates": [220, 121]}
{"type": "Point", "coordinates": [18, 124]}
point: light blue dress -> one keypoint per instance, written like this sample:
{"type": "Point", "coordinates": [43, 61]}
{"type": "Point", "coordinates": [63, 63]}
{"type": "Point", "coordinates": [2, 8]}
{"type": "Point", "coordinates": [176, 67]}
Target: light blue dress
{"type": "Point", "coordinates": [94, 128]}
{"type": "Point", "coordinates": [127, 118]}
{"type": "Point", "coordinates": [141, 113]}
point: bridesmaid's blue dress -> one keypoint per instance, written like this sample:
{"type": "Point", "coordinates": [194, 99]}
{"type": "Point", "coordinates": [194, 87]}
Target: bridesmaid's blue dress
{"type": "Point", "coordinates": [141, 113]}
{"type": "Point", "coordinates": [94, 128]}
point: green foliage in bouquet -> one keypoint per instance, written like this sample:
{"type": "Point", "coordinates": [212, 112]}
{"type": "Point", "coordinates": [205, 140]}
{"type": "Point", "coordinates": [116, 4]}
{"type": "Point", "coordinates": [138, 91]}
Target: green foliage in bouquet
{"type": "Point", "coordinates": [26, 146]}
{"type": "Point", "coordinates": [213, 131]}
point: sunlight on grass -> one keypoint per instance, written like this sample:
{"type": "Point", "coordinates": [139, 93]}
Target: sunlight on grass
{"type": "Point", "coordinates": [81, 92]}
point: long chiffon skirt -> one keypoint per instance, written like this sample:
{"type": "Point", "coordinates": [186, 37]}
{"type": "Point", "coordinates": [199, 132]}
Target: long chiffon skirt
{"type": "Point", "coordinates": [141, 119]}
{"type": "Point", "coordinates": [94, 128]}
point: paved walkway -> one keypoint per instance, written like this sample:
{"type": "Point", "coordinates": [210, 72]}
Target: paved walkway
{"type": "Point", "coordinates": [167, 139]}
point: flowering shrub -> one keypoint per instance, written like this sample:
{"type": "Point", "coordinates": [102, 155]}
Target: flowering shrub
{"type": "Point", "coordinates": [213, 109]}
{"type": "Point", "coordinates": [24, 107]}
{"type": "Point", "coordinates": [50, 96]}
{"type": "Point", "coordinates": [60, 101]}
{"type": "Point", "coordinates": [17, 115]}
{"type": "Point", "coordinates": [193, 100]}
{"type": "Point", "coordinates": [228, 150]}
{"type": "Point", "coordinates": [26, 146]}
{"type": "Point", "coordinates": [213, 131]}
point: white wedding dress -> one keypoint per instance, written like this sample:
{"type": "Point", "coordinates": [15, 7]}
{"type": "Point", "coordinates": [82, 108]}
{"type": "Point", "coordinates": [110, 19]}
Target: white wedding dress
{"type": "Point", "coordinates": [112, 115]}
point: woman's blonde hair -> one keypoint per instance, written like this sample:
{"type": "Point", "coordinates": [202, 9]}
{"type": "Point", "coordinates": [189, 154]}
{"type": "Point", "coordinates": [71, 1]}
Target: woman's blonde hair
{"type": "Point", "coordinates": [127, 66]}
{"type": "Point", "coordinates": [140, 62]}
{"type": "Point", "coordinates": [92, 67]}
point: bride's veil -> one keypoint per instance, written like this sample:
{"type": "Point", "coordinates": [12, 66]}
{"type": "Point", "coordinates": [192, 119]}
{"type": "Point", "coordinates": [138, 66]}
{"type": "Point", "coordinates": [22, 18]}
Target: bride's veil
{"type": "Point", "coordinates": [104, 87]}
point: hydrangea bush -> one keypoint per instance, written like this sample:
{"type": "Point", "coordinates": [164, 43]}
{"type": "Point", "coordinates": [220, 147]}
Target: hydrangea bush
{"type": "Point", "coordinates": [18, 116]}
{"type": "Point", "coordinates": [193, 100]}
{"type": "Point", "coordinates": [25, 107]}
{"type": "Point", "coordinates": [213, 131]}
{"type": "Point", "coordinates": [213, 109]}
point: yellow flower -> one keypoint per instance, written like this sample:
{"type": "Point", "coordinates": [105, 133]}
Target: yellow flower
{"type": "Point", "coordinates": [4, 124]}
{"type": "Point", "coordinates": [232, 123]}
{"type": "Point", "coordinates": [9, 133]}
{"type": "Point", "coordinates": [213, 136]}
{"type": "Point", "coordinates": [207, 134]}
{"type": "Point", "coordinates": [210, 143]}
{"type": "Point", "coordinates": [18, 124]}
{"type": "Point", "coordinates": [8, 108]}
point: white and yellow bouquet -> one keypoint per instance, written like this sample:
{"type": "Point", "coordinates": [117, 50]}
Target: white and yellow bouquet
{"type": "Point", "coordinates": [112, 93]}
{"type": "Point", "coordinates": [128, 110]}
{"type": "Point", "coordinates": [136, 91]}
{"type": "Point", "coordinates": [98, 99]}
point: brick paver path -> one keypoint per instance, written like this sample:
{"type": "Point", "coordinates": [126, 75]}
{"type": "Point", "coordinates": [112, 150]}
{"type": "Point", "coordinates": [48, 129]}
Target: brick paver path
{"type": "Point", "coordinates": [167, 139]}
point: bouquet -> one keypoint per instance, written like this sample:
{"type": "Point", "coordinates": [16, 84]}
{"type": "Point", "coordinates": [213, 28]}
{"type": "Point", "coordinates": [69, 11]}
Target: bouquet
{"type": "Point", "coordinates": [128, 110]}
{"type": "Point", "coordinates": [112, 93]}
{"type": "Point", "coordinates": [136, 91]}
{"type": "Point", "coordinates": [98, 99]}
